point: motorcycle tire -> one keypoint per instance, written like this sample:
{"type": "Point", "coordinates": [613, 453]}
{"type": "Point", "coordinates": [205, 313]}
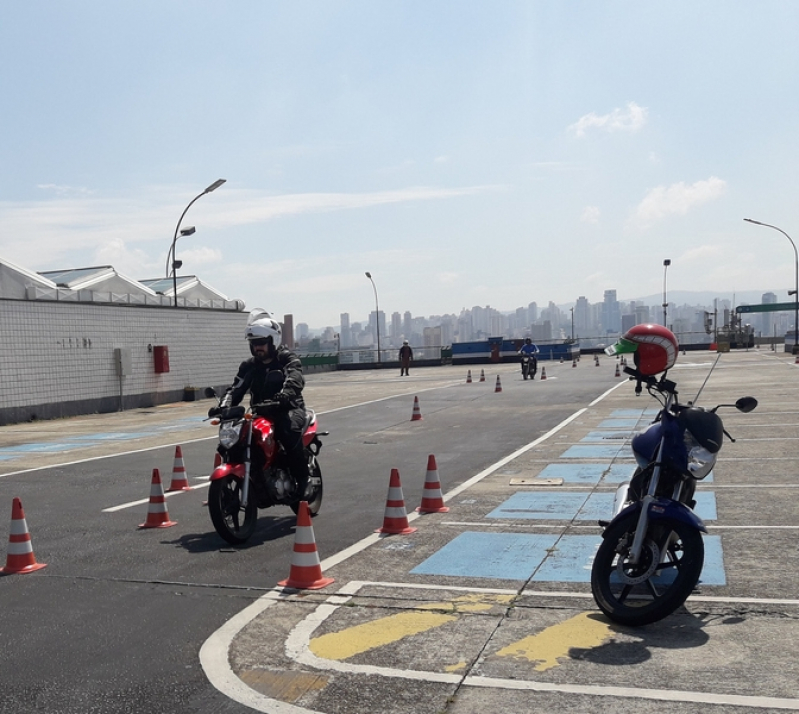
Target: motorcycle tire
{"type": "Point", "coordinates": [314, 490]}
{"type": "Point", "coordinates": [648, 592]}
{"type": "Point", "coordinates": [234, 523]}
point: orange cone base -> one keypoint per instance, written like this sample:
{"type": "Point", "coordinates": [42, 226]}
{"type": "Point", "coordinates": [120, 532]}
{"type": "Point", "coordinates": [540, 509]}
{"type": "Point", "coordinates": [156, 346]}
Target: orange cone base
{"type": "Point", "coordinates": [179, 486]}
{"type": "Point", "coordinates": [396, 529]}
{"type": "Point", "coordinates": [150, 523]}
{"type": "Point", "coordinates": [425, 508]}
{"type": "Point", "coordinates": [313, 581]}
{"type": "Point", "coordinates": [11, 570]}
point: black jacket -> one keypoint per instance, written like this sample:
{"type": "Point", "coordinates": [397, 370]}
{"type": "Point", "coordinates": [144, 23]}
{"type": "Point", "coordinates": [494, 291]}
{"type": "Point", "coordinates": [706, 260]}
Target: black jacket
{"type": "Point", "coordinates": [253, 376]}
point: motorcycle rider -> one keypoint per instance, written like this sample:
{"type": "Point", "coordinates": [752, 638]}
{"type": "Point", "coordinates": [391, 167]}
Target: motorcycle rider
{"type": "Point", "coordinates": [274, 373]}
{"type": "Point", "coordinates": [528, 348]}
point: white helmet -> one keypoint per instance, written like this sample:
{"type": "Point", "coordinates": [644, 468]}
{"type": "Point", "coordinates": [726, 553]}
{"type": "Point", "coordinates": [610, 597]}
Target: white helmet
{"type": "Point", "coordinates": [260, 325]}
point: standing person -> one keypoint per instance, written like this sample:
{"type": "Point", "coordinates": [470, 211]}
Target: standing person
{"type": "Point", "coordinates": [274, 373]}
{"type": "Point", "coordinates": [405, 357]}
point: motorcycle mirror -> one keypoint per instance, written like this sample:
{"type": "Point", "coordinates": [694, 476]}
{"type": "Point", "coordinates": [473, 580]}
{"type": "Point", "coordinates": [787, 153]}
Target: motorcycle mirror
{"type": "Point", "coordinates": [209, 392]}
{"type": "Point", "coordinates": [746, 404]}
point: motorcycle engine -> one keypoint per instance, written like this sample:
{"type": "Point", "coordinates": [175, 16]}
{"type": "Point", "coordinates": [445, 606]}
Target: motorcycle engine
{"type": "Point", "coordinates": [280, 484]}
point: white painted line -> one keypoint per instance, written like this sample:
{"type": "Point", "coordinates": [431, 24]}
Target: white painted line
{"type": "Point", "coordinates": [167, 494]}
{"type": "Point", "coordinates": [297, 647]}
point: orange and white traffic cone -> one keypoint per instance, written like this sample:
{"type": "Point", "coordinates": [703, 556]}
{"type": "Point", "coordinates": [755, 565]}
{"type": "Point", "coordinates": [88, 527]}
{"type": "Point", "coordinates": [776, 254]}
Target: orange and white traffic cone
{"type": "Point", "coordinates": [561, 359]}
{"type": "Point", "coordinates": [306, 570]}
{"type": "Point", "coordinates": [395, 520]}
{"type": "Point", "coordinates": [432, 500]}
{"type": "Point", "coordinates": [482, 375]}
{"type": "Point", "coordinates": [417, 414]}
{"type": "Point", "coordinates": [574, 363]}
{"type": "Point", "coordinates": [618, 373]}
{"type": "Point", "coordinates": [179, 480]}
{"type": "Point", "coordinates": [543, 373]}
{"type": "Point", "coordinates": [20, 558]}
{"type": "Point", "coordinates": [468, 376]}
{"type": "Point", "coordinates": [498, 388]}
{"type": "Point", "coordinates": [596, 360]}
{"type": "Point", "coordinates": [157, 514]}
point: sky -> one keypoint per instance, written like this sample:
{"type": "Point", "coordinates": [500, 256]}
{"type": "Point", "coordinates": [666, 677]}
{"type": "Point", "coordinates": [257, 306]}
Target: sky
{"type": "Point", "coordinates": [464, 153]}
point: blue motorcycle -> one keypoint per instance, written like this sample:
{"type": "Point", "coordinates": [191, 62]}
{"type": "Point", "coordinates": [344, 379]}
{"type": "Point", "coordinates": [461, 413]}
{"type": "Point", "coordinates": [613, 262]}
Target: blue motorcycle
{"type": "Point", "coordinates": [652, 552]}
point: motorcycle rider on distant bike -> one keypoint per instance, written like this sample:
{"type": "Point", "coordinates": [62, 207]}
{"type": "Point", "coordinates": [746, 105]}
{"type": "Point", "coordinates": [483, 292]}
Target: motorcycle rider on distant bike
{"type": "Point", "coordinates": [528, 348]}
{"type": "Point", "coordinates": [273, 373]}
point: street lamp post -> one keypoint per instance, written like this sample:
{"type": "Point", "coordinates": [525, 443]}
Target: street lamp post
{"type": "Point", "coordinates": [666, 264]}
{"type": "Point", "coordinates": [377, 315]}
{"type": "Point", "coordinates": [795, 349]}
{"type": "Point", "coordinates": [572, 310]}
{"type": "Point", "coordinates": [215, 185]}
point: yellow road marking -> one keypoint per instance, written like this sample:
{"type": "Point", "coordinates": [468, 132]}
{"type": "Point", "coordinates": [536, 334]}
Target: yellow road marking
{"type": "Point", "coordinates": [362, 638]}
{"type": "Point", "coordinates": [548, 646]}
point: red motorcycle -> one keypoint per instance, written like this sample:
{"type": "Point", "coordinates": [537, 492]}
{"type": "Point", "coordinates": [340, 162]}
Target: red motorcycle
{"type": "Point", "coordinates": [254, 472]}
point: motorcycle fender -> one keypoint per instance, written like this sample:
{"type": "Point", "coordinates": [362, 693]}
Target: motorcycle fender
{"type": "Point", "coordinates": [662, 509]}
{"type": "Point", "coordinates": [225, 470]}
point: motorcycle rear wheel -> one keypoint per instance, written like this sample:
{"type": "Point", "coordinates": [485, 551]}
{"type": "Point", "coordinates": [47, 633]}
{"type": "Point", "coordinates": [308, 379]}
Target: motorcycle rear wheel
{"type": "Point", "coordinates": [234, 523]}
{"type": "Point", "coordinates": [314, 490]}
{"type": "Point", "coordinates": [659, 592]}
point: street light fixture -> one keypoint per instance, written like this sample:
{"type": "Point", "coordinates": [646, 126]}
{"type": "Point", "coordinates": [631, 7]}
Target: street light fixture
{"type": "Point", "coordinates": [377, 315]}
{"type": "Point", "coordinates": [215, 185]}
{"type": "Point", "coordinates": [666, 264]}
{"type": "Point", "coordinates": [795, 291]}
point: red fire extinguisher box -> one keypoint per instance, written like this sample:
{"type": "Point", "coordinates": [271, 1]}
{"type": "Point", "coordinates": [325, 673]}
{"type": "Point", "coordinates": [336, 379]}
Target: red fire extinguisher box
{"type": "Point", "coordinates": [161, 358]}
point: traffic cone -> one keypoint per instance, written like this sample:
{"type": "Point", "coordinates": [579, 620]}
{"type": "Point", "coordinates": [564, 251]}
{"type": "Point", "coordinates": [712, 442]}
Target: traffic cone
{"type": "Point", "coordinates": [618, 373]}
{"type": "Point", "coordinates": [482, 375]}
{"type": "Point", "coordinates": [306, 570]}
{"type": "Point", "coordinates": [796, 361]}
{"type": "Point", "coordinates": [469, 377]}
{"type": "Point", "coordinates": [543, 373]}
{"type": "Point", "coordinates": [498, 388]}
{"type": "Point", "coordinates": [417, 414]}
{"type": "Point", "coordinates": [157, 514]}
{"type": "Point", "coordinates": [395, 520]}
{"type": "Point", "coordinates": [20, 558]}
{"type": "Point", "coordinates": [561, 359]}
{"type": "Point", "coordinates": [432, 500]}
{"type": "Point", "coordinates": [596, 360]}
{"type": "Point", "coordinates": [179, 480]}
{"type": "Point", "coordinates": [574, 363]}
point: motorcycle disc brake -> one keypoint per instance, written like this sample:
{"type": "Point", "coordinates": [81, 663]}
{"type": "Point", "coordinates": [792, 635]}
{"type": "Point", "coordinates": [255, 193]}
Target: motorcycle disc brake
{"type": "Point", "coordinates": [630, 574]}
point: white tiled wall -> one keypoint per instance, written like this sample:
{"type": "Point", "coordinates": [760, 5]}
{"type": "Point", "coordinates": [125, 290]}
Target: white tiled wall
{"type": "Point", "coordinates": [54, 352]}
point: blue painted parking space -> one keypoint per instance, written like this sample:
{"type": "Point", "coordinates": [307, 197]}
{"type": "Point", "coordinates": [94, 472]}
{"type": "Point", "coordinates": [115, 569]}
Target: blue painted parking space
{"type": "Point", "coordinates": [630, 413]}
{"type": "Point", "coordinates": [589, 473]}
{"type": "Point", "coordinates": [598, 451]}
{"type": "Point", "coordinates": [580, 506]}
{"type": "Point", "coordinates": [608, 436]}
{"type": "Point", "coordinates": [634, 424]}
{"type": "Point", "coordinates": [545, 557]}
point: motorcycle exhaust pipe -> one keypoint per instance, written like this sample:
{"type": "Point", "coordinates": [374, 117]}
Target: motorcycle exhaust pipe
{"type": "Point", "coordinates": [620, 498]}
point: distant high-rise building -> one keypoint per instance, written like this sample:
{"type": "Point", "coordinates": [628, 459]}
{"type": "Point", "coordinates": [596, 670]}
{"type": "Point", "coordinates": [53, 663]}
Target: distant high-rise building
{"type": "Point", "coordinates": [611, 313]}
{"type": "Point", "coordinates": [582, 317]}
{"type": "Point", "coordinates": [396, 329]}
{"type": "Point", "coordinates": [288, 331]}
{"type": "Point", "coordinates": [532, 312]}
{"type": "Point", "coordinates": [346, 331]}
{"type": "Point", "coordinates": [407, 326]}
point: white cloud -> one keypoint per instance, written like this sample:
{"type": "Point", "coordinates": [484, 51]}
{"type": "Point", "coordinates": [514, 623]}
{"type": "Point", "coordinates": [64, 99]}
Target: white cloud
{"type": "Point", "coordinates": [631, 118]}
{"type": "Point", "coordinates": [590, 214]}
{"type": "Point", "coordinates": [677, 199]}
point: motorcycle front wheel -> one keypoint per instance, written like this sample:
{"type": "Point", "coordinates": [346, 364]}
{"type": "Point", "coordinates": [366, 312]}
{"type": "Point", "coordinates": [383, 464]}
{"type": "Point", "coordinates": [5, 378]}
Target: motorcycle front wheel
{"type": "Point", "coordinates": [234, 523]}
{"type": "Point", "coordinates": [314, 490]}
{"type": "Point", "coordinates": [670, 565]}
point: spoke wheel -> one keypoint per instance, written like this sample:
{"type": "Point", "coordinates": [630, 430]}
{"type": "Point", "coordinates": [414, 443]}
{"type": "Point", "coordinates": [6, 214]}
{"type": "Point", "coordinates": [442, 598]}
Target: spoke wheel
{"type": "Point", "coordinates": [231, 520]}
{"type": "Point", "coordinates": [669, 568]}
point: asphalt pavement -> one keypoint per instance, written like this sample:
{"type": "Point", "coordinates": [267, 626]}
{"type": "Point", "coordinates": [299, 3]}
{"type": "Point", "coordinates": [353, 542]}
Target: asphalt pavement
{"type": "Point", "coordinates": [485, 605]}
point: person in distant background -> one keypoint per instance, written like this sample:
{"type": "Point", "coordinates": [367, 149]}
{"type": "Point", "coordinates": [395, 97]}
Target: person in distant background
{"type": "Point", "coordinates": [405, 357]}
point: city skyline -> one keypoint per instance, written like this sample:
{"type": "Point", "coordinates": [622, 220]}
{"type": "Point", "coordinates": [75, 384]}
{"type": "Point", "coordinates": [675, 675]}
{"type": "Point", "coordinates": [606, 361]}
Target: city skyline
{"type": "Point", "coordinates": [463, 154]}
{"type": "Point", "coordinates": [589, 321]}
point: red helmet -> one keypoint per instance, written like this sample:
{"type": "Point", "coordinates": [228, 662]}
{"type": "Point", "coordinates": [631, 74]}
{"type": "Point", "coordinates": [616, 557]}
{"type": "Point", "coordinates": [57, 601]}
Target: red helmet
{"type": "Point", "coordinates": [655, 348]}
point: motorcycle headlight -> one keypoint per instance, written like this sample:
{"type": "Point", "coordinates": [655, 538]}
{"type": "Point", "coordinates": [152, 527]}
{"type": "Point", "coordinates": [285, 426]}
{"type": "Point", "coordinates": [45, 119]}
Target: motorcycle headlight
{"type": "Point", "coordinates": [700, 460]}
{"type": "Point", "coordinates": [229, 433]}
